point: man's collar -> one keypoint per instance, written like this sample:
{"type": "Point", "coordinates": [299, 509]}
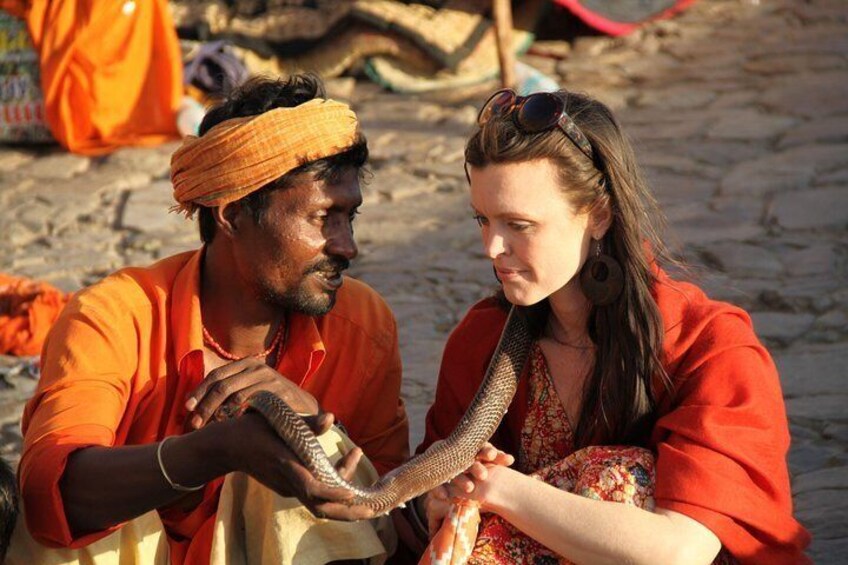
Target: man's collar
{"type": "Point", "coordinates": [304, 350]}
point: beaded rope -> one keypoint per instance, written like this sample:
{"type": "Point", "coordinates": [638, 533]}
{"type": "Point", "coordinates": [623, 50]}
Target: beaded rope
{"type": "Point", "coordinates": [216, 347]}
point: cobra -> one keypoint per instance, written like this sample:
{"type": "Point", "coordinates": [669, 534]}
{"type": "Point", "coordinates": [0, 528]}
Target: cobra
{"type": "Point", "coordinates": [443, 460]}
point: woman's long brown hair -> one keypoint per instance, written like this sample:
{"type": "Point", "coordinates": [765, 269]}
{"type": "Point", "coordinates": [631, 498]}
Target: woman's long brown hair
{"type": "Point", "coordinates": [619, 401]}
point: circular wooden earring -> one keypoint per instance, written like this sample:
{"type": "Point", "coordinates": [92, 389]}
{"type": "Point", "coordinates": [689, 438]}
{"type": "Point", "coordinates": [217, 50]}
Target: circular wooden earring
{"type": "Point", "coordinates": [601, 278]}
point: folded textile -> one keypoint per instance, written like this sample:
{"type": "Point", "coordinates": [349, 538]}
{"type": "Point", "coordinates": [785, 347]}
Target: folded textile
{"type": "Point", "coordinates": [27, 312]}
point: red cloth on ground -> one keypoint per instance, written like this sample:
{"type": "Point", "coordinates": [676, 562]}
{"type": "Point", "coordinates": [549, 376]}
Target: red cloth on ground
{"type": "Point", "coordinates": [721, 440]}
{"type": "Point", "coordinates": [111, 72]}
{"type": "Point", "coordinates": [27, 312]}
{"type": "Point", "coordinates": [607, 23]}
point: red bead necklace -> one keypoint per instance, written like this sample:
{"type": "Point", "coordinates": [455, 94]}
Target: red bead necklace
{"type": "Point", "coordinates": [216, 347]}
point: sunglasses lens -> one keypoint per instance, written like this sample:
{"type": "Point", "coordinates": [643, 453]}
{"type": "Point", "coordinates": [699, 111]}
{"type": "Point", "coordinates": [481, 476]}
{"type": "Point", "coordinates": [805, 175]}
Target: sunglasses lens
{"type": "Point", "coordinates": [539, 112]}
{"type": "Point", "coordinates": [499, 104]}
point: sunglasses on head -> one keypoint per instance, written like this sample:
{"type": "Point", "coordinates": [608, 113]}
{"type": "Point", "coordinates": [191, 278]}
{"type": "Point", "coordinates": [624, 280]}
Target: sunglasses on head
{"type": "Point", "coordinates": [536, 112]}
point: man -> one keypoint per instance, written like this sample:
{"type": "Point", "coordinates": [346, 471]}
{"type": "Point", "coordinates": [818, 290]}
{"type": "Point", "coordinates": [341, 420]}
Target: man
{"type": "Point", "coordinates": [140, 366]}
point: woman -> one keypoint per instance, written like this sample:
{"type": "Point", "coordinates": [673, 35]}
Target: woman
{"type": "Point", "coordinates": [623, 356]}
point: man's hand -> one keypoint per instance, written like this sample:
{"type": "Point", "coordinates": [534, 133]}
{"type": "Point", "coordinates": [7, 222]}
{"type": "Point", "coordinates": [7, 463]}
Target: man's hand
{"type": "Point", "coordinates": [259, 452]}
{"type": "Point", "coordinates": [232, 384]}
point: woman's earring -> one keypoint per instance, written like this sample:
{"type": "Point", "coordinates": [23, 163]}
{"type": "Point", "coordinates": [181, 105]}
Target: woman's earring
{"type": "Point", "coordinates": [601, 278]}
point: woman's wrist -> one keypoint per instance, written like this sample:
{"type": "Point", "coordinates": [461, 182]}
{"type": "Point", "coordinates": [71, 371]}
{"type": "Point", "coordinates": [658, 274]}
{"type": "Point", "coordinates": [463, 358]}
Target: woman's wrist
{"type": "Point", "coordinates": [503, 487]}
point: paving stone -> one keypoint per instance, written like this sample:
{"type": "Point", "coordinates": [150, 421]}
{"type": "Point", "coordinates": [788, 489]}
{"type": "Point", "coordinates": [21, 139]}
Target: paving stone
{"type": "Point", "coordinates": [744, 259]}
{"type": "Point", "coordinates": [810, 288]}
{"type": "Point", "coordinates": [836, 319]}
{"type": "Point", "coordinates": [809, 94]}
{"type": "Point", "coordinates": [833, 478]}
{"type": "Point", "coordinates": [792, 169]}
{"type": "Point", "coordinates": [11, 159]}
{"type": "Point", "coordinates": [836, 431]}
{"type": "Point", "coordinates": [735, 99]}
{"type": "Point", "coordinates": [828, 551]}
{"type": "Point", "coordinates": [825, 407]}
{"type": "Point", "coordinates": [714, 227]}
{"type": "Point", "coordinates": [671, 188]}
{"type": "Point", "coordinates": [818, 259]}
{"type": "Point", "coordinates": [148, 209]}
{"type": "Point", "coordinates": [811, 372]}
{"type": "Point", "coordinates": [56, 166]}
{"type": "Point", "coordinates": [829, 129]}
{"type": "Point", "coordinates": [838, 177]}
{"type": "Point", "coordinates": [808, 456]}
{"type": "Point", "coordinates": [725, 152]}
{"type": "Point", "coordinates": [828, 522]}
{"type": "Point", "coordinates": [156, 164]}
{"type": "Point", "coordinates": [680, 164]}
{"type": "Point", "coordinates": [397, 184]}
{"type": "Point", "coordinates": [781, 64]}
{"type": "Point", "coordinates": [820, 208]}
{"type": "Point", "coordinates": [676, 97]}
{"type": "Point", "coordinates": [781, 325]}
{"type": "Point", "coordinates": [821, 499]}
{"type": "Point", "coordinates": [749, 124]}
{"type": "Point", "coordinates": [667, 130]}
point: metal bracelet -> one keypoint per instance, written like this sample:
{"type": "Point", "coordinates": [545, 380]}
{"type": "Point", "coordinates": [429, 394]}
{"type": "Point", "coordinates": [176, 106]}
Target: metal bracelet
{"type": "Point", "coordinates": [175, 486]}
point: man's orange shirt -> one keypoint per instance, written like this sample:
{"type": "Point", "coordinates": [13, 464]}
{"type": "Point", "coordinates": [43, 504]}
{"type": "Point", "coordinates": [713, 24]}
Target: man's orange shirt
{"type": "Point", "coordinates": [122, 358]}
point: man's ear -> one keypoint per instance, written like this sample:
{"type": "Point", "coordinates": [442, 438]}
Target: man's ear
{"type": "Point", "coordinates": [600, 220]}
{"type": "Point", "coordinates": [228, 218]}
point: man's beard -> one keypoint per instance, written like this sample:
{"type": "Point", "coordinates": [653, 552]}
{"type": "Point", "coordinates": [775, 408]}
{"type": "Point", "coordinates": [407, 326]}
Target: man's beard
{"type": "Point", "coordinates": [301, 299]}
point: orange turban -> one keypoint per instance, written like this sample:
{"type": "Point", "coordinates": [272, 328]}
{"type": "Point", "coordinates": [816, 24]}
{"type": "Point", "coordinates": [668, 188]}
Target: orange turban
{"type": "Point", "coordinates": [241, 155]}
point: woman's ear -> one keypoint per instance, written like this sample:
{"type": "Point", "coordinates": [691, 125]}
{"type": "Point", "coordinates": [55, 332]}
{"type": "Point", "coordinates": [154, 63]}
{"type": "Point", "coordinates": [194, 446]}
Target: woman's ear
{"type": "Point", "coordinates": [227, 218]}
{"type": "Point", "coordinates": [600, 220]}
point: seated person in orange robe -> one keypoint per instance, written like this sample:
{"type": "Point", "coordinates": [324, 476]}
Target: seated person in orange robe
{"type": "Point", "coordinates": [139, 367]}
{"type": "Point", "coordinates": [623, 355]}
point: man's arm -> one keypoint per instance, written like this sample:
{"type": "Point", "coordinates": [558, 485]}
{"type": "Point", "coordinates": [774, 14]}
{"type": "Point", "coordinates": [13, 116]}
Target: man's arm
{"type": "Point", "coordinates": [104, 486]}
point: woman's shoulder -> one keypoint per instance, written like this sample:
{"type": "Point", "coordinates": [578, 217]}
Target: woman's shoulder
{"type": "Point", "coordinates": [697, 327]}
{"type": "Point", "coordinates": [478, 332]}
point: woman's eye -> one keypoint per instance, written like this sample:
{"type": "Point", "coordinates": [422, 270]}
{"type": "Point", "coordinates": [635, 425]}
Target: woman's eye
{"type": "Point", "coordinates": [519, 226]}
{"type": "Point", "coordinates": [481, 220]}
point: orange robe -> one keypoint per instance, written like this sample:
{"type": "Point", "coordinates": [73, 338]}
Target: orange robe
{"type": "Point", "coordinates": [111, 71]}
{"type": "Point", "coordinates": [720, 441]}
{"type": "Point", "coordinates": [125, 353]}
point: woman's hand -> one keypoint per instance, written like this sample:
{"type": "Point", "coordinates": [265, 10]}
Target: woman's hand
{"type": "Point", "coordinates": [472, 484]}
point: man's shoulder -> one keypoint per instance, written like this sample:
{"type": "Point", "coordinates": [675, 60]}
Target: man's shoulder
{"type": "Point", "coordinates": [131, 288]}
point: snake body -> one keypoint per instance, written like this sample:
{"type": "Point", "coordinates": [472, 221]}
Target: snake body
{"type": "Point", "coordinates": [443, 460]}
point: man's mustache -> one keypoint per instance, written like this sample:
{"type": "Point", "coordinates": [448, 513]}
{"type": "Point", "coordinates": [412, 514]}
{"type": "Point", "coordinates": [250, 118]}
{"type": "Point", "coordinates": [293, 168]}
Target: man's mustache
{"type": "Point", "coordinates": [330, 265]}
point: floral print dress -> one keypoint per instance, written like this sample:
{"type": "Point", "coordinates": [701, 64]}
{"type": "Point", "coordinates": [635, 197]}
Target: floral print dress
{"type": "Point", "coordinates": [621, 474]}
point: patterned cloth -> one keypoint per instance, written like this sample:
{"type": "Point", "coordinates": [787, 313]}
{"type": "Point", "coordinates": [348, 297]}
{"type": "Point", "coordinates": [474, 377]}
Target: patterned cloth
{"type": "Point", "coordinates": [620, 474]}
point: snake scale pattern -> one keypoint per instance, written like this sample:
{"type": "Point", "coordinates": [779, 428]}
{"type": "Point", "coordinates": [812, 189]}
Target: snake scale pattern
{"type": "Point", "coordinates": [442, 461]}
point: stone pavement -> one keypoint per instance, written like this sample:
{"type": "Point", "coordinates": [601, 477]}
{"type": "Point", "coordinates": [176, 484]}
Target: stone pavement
{"type": "Point", "coordinates": [739, 111]}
